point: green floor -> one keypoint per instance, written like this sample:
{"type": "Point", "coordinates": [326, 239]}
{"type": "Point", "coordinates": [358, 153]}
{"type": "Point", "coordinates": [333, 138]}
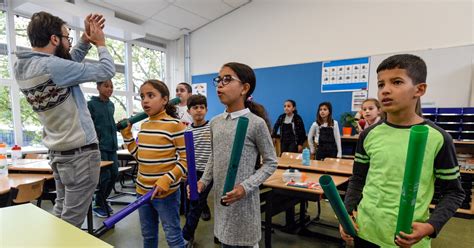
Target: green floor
{"type": "Point", "coordinates": [457, 233]}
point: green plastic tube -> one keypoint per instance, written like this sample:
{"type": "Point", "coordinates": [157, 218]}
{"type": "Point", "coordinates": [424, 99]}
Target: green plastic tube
{"type": "Point", "coordinates": [331, 193]}
{"type": "Point", "coordinates": [411, 179]}
{"type": "Point", "coordinates": [234, 161]}
{"type": "Point", "coordinates": [175, 101]}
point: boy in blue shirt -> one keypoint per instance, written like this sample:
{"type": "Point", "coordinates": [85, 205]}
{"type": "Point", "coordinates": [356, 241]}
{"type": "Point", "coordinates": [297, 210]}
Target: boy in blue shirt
{"type": "Point", "coordinates": [374, 189]}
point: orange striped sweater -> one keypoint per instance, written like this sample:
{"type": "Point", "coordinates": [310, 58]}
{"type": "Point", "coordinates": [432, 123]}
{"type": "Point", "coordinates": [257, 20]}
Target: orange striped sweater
{"type": "Point", "coordinates": [160, 153]}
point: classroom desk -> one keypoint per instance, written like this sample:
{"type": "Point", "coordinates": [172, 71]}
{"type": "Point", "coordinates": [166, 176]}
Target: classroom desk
{"type": "Point", "coordinates": [282, 196]}
{"type": "Point", "coordinates": [343, 167]}
{"type": "Point", "coordinates": [40, 165]}
{"type": "Point", "coordinates": [17, 230]}
{"type": "Point", "coordinates": [13, 180]}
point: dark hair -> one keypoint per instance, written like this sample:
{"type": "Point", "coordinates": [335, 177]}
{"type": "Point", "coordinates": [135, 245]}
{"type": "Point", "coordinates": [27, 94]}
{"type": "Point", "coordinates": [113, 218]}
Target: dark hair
{"type": "Point", "coordinates": [247, 76]}
{"type": "Point", "coordinates": [42, 26]}
{"type": "Point", "coordinates": [414, 66]}
{"type": "Point", "coordinates": [294, 105]}
{"type": "Point", "coordinates": [196, 100]}
{"type": "Point", "coordinates": [161, 87]}
{"type": "Point", "coordinates": [188, 87]}
{"type": "Point", "coordinates": [320, 120]}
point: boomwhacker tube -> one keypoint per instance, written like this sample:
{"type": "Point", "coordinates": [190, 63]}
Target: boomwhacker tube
{"type": "Point", "coordinates": [411, 179]}
{"type": "Point", "coordinates": [234, 161]}
{"type": "Point", "coordinates": [192, 177]}
{"type": "Point", "coordinates": [110, 222]}
{"type": "Point", "coordinates": [331, 193]}
{"type": "Point", "coordinates": [141, 116]}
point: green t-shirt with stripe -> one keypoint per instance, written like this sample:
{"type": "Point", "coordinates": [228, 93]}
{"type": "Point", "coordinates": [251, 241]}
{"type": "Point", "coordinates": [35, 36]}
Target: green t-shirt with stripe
{"type": "Point", "coordinates": [381, 155]}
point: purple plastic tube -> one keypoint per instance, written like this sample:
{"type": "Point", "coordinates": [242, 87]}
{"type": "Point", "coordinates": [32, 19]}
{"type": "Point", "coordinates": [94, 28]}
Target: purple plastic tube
{"type": "Point", "coordinates": [110, 222]}
{"type": "Point", "coordinates": [192, 178]}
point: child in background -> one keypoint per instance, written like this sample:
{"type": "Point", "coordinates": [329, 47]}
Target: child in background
{"type": "Point", "coordinates": [162, 162]}
{"type": "Point", "coordinates": [102, 113]}
{"type": "Point", "coordinates": [325, 134]}
{"type": "Point", "coordinates": [371, 111]}
{"type": "Point", "coordinates": [380, 164]}
{"type": "Point", "coordinates": [197, 107]}
{"type": "Point", "coordinates": [184, 91]}
{"type": "Point", "coordinates": [238, 224]}
{"type": "Point", "coordinates": [293, 134]}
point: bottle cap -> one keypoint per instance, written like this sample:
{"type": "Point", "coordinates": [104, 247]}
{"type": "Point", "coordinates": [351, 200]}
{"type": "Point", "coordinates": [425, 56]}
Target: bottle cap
{"type": "Point", "coordinates": [3, 145]}
{"type": "Point", "coordinates": [2, 156]}
{"type": "Point", "coordinates": [16, 147]}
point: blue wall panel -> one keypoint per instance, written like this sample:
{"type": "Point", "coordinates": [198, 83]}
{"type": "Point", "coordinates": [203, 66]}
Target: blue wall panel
{"type": "Point", "coordinates": [300, 82]}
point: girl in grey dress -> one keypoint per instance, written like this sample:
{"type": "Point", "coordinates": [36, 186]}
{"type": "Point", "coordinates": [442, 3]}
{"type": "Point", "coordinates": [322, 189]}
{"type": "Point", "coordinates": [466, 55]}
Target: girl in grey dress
{"type": "Point", "coordinates": [239, 223]}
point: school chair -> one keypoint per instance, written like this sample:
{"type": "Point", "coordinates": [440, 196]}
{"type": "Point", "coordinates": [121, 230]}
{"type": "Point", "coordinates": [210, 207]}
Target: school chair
{"type": "Point", "coordinates": [28, 192]}
{"type": "Point", "coordinates": [6, 198]}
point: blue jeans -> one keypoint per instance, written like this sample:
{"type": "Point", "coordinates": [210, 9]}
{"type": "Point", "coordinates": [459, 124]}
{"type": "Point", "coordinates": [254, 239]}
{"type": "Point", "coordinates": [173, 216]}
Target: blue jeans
{"type": "Point", "coordinates": [164, 209]}
{"type": "Point", "coordinates": [195, 210]}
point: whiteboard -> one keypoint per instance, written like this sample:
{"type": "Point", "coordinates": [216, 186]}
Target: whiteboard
{"type": "Point", "coordinates": [449, 77]}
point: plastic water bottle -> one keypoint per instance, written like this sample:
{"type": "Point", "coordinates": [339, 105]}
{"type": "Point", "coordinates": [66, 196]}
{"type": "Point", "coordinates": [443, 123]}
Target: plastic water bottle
{"type": "Point", "coordinates": [305, 156]}
{"type": "Point", "coordinates": [3, 160]}
{"type": "Point", "coordinates": [16, 154]}
{"type": "Point", "coordinates": [3, 166]}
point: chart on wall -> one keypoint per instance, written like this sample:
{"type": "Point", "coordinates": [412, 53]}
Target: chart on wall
{"type": "Point", "coordinates": [345, 75]}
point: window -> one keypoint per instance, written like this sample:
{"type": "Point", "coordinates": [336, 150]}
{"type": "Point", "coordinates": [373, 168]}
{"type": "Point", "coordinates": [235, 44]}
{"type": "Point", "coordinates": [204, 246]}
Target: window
{"type": "Point", "coordinates": [6, 117]}
{"type": "Point", "coordinates": [4, 71]}
{"type": "Point", "coordinates": [117, 50]}
{"type": "Point", "coordinates": [32, 128]}
{"type": "Point", "coordinates": [21, 36]}
{"type": "Point", "coordinates": [146, 64]}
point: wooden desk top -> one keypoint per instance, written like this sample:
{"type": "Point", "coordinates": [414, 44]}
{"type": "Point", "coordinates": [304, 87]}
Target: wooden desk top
{"type": "Point", "coordinates": [16, 230]}
{"type": "Point", "coordinates": [40, 165]}
{"type": "Point", "coordinates": [276, 181]}
{"type": "Point", "coordinates": [336, 166]}
{"type": "Point", "coordinates": [14, 180]}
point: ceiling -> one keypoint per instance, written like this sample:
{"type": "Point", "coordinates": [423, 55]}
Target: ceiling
{"type": "Point", "coordinates": [157, 20]}
{"type": "Point", "coordinates": [169, 19]}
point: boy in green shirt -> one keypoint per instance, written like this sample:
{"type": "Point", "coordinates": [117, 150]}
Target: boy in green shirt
{"type": "Point", "coordinates": [375, 187]}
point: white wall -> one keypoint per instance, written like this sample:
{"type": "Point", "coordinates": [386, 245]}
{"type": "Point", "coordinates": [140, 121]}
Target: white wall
{"type": "Point", "coordinates": [280, 32]}
{"type": "Point", "coordinates": [449, 76]}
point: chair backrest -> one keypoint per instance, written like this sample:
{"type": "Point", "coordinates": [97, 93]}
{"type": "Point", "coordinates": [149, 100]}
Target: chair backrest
{"type": "Point", "coordinates": [36, 156]}
{"type": "Point", "coordinates": [291, 155]}
{"type": "Point", "coordinates": [6, 198]}
{"type": "Point", "coordinates": [28, 192]}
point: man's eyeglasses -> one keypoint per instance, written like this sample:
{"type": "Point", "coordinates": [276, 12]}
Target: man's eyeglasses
{"type": "Point", "coordinates": [226, 79]}
{"type": "Point", "coordinates": [70, 39]}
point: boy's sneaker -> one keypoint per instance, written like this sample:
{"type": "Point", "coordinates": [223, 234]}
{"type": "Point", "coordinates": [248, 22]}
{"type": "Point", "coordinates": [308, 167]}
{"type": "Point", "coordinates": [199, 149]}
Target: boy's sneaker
{"type": "Point", "coordinates": [99, 212]}
{"type": "Point", "coordinates": [205, 215]}
{"type": "Point", "coordinates": [189, 244]}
